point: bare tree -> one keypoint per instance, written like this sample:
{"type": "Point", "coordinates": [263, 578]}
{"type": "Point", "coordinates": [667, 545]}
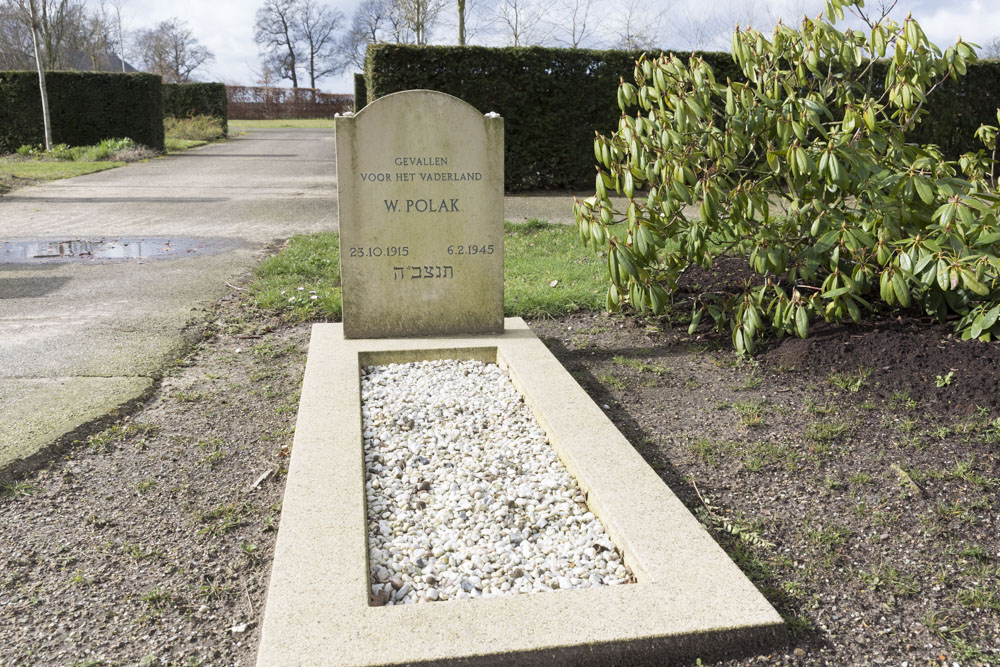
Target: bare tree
{"type": "Point", "coordinates": [640, 24]}
{"type": "Point", "coordinates": [16, 44]}
{"type": "Point", "coordinates": [317, 27]}
{"type": "Point", "coordinates": [275, 33]}
{"type": "Point", "coordinates": [522, 21]}
{"type": "Point", "coordinates": [35, 29]}
{"type": "Point", "coordinates": [572, 24]}
{"type": "Point", "coordinates": [96, 37]}
{"type": "Point", "coordinates": [991, 49]}
{"type": "Point", "coordinates": [420, 16]}
{"type": "Point", "coordinates": [374, 22]}
{"type": "Point", "coordinates": [461, 22]}
{"type": "Point", "coordinates": [171, 50]}
{"type": "Point", "coordinates": [118, 5]}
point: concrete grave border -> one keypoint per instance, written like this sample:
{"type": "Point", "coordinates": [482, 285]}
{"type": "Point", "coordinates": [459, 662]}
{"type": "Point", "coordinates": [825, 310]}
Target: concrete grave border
{"type": "Point", "coordinates": [690, 599]}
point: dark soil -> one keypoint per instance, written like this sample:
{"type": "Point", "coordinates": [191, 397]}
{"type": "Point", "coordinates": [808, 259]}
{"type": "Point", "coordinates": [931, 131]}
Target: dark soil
{"type": "Point", "coordinates": [859, 495]}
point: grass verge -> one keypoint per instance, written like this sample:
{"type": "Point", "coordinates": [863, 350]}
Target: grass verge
{"type": "Point", "coordinates": [21, 173]}
{"type": "Point", "coordinates": [174, 145]}
{"type": "Point", "coordinates": [288, 122]}
{"type": "Point", "coordinates": [547, 272]}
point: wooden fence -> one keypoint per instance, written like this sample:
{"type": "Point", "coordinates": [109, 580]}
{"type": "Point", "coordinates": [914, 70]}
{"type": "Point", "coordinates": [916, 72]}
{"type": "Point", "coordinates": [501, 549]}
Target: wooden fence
{"type": "Point", "coordinates": [271, 103]}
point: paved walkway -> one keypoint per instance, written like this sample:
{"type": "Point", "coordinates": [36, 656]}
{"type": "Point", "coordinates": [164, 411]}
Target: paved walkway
{"type": "Point", "coordinates": [81, 339]}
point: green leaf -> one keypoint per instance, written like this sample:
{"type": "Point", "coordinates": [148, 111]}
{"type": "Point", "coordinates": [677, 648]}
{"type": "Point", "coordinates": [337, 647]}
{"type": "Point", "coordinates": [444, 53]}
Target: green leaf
{"type": "Point", "coordinates": [801, 322]}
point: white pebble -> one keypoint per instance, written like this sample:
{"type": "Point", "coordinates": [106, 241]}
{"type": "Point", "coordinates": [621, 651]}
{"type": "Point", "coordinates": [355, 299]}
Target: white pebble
{"type": "Point", "coordinates": [466, 498]}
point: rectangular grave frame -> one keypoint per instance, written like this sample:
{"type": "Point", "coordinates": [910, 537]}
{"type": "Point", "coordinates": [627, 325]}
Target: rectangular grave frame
{"type": "Point", "coordinates": [689, 600]}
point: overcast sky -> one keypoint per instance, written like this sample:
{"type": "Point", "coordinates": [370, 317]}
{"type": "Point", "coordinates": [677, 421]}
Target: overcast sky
{"type": "Point", "coordinates": [226, 26]}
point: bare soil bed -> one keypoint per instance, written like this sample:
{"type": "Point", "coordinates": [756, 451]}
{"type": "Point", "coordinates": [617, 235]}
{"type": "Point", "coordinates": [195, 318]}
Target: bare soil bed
{"type": "Point", "coordinates": [854, 476]}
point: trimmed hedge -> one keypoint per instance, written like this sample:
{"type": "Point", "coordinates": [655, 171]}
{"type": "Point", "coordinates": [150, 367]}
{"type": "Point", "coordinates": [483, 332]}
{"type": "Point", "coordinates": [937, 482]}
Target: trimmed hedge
{"type": "Point", "coordinates": [85, 107]}
{"type": "Point", "coordinates": [553, 100]}
{"type": "Point", "coordinates": [360, 92]}
{"type": "Point", "coordinates": [184, 100]}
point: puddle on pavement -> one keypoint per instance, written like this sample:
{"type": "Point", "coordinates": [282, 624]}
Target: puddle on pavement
{"type": "Point", "coordinates": [117, 249]}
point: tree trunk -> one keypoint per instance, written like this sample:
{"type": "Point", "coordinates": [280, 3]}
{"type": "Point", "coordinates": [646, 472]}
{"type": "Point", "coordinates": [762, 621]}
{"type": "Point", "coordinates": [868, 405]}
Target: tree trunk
{"type": "Point", "coordinates": [41, 76]}
{"type": "Point", "coordinates": [461, 22]}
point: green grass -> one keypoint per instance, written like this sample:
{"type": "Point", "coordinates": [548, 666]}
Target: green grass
{"type": "Point", "coordinates": [308, 266]}
{"type": "Point", "coordinates": [301, 122]}
{"type": "Point", "coordinates": [536, 254]}
{"type": "Point", "coordinates": [174, 145]}
{"type": "Point", "coordinates": [50, 171]}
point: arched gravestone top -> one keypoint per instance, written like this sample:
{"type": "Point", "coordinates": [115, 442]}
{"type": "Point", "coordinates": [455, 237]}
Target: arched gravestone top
{"type": "Point", "coordinates": [420, 190]}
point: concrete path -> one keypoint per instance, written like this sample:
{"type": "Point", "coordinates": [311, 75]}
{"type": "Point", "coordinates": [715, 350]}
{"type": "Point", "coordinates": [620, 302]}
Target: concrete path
{"type": "Point", "coordinates": [81, 339]}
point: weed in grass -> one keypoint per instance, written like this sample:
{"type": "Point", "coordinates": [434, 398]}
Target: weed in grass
{"type": "Point", "coordinates": [146, 485]}
{"type": "Point", "coordinates": [826, 431]}
{"type": "Point", "coordinates": [860, 478]}
{"type": "Point", "coordinates": [888, 577]}
{"type": "Point", "coordinates": [833, 484]}
{"type": "Point", "coordinates": [640, 366]}
{"type": "Point", "coordinates": [814, 408]}
{"type": "Point", "coordinates": [980, 598]}
{"type": "Point", "coordinates": [118, 433]}
{"type": "Point", "coordinates": [222, 519]}
{"type": "Point", "coordinates": [156, 598]}
{"type": "Point", "coordinates": [759, 454]}
{"type": "Point", "coordinates": [18, 489]}
{"type": "Point", "coordinates": [902, 399]}
{"type": "Point", "coordinates": [710, 451]}
{"type": "Point", "coordinates": [830, 537]}
{"type": "Point", "coordinates": [969, 653]}
{"type": "Point", "coordinates": [851, 382]}
{"type": "Point", "coordinates": [974, 552]}
{"type": "Point", "coordinates": [944, 380]}
{"type": "Point", "coordinates": [749, 383]}
{"type": "Point", "coordinates": [215, 458]}
{"type": "Point", "coordinates": [213, 589]}
{"type": "Point", "coordinates": [799, 625]}
{"type": "Point", "coordinates": [136, 551]}
{"type": "Point", "coordinates": [611, 380]}
{"type": "Point", "coordinates": [750, 413]}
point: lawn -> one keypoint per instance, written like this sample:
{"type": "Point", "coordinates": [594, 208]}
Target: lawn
{"type": "Point", "coordinates": [288, 122]}
{"type": "Point", "coordinates": [547, 273]}
{"type": "Point", "coordinates": [18, 173]}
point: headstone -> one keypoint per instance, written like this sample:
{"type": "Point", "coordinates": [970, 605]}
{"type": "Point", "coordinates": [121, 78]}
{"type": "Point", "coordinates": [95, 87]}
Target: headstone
{"type": "Point", "coordinates": [420, 191]}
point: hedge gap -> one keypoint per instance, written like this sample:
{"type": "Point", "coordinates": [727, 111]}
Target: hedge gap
{"type": "Point", "coordinates": [184, 100]}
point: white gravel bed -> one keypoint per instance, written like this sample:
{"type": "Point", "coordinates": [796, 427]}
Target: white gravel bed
{"type": "Point", "coordinates": [466, 497]}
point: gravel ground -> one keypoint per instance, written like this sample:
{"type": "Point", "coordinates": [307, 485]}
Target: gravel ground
{"type": "Point", "coordinates": [466, 497]}
{"type": "Point", "coordinates": [860, 497]}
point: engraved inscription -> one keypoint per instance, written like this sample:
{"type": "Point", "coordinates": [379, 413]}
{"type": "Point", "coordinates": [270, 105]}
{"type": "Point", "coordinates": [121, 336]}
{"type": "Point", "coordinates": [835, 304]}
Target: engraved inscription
{"type": "Point", "coordinates": [422, 272]}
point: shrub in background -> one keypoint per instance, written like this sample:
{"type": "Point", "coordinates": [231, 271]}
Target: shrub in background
{"type": "Point", "coordinates": [197, 128]}
{"type": "Point", "coordinates": [187, 100]}
{"type": "Point", "coordinates": [805, 171]}
{"type": "Point", "coordinates": [360, 93]}
{"type": "Point", "coordinates": [86, 107]}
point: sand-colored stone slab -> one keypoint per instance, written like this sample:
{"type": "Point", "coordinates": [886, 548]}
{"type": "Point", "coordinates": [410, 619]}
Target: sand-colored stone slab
{"type": "Point", "coordinates": [421, 217]}
{"type": "Point", "coordinates": [689, 599]}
